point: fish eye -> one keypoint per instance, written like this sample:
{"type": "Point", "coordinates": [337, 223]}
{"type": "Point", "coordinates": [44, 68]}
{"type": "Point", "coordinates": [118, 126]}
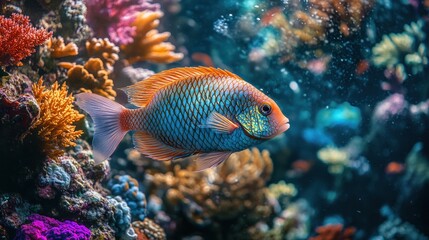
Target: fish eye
{"type": "Point", "coordinates": [265, 109]}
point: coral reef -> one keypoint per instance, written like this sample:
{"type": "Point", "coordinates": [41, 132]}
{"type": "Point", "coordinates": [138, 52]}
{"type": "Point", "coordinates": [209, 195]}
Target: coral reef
{"type": "Point", "coordinates": [222, 194]}
{"type": "Point", "coordinates": [18, 112]}
{"type": "Point", "coordinates": [57, 116]}
{"type": "Point", "coordinates": [148, 43]}
{"type": "Point", "coordinates": [104, 50]}
{"type": "Point", "coordinates": [14, 210]}
{"type": "Point", "coordinates": [113, 19]}
{"type": "Point", "coordinates": [291, 223]}
{"type": "Point", "coordinates": [310, 24]}
{"type": "Point", "coordinates": [42, 227]}
{"type": "Point", "coordinates": [91, 77]}
{"type": "Point", "coordinates": [128, 188]}
{"type": "Point", "coordinates": [334, 232]}
{"type": "Point", "coordinates": [18, 39]}
{"type": "Point", "coordinates": [321, 61]}
{"type": "Point", "coordinates": [405, 52]}
{"type": "Point", "coordinates": [67, 20]}
{"type": "Point", "coordinates": [65, 190]}
{"type": "Point", "coordinates": [282, 189]}
{"type": "Point", "coordinates": [335, 158]}
{"type": "Point", "coordinates": [122, 215]}
{"type": "Point", "coordinates": [148, 229]}
{"type": "Point", "coordinates": [58, 49]}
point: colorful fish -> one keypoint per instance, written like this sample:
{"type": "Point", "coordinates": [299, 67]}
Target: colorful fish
{"type": "Point", "coordinates": [186, 111]}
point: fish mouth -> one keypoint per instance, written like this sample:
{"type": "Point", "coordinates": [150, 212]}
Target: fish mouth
{"type": "Point", "coordinates": [283, 128]}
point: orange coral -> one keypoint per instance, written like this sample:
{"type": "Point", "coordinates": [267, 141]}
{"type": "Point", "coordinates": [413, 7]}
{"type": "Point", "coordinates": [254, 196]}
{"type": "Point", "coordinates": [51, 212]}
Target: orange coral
{"type": "Point", "coordinates": [55, 123]}
{"type": "Point", "coordinates": [105, 50]}
{"type": "Point", "coordinates": [310, 26]}
{"type": "Point", "coordinates": [349, 13]}
{"type": "Point", "coordinates": [58, 49]}
{"type": "Point", "coordinates": [18, 39]}
{"type": "Point", "coordinates": [148, 44]}
{"type": "Point", "coordinates": [148, 229]}
{"type": "Point", "coordinates": [235, 187]}
{"type": "Point", "coordinates": [91, 77]}
{"type": "Point", "coordinates": [334, 232]}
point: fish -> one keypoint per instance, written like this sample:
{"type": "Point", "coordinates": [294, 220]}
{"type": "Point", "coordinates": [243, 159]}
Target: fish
{"type": "Point", "coordinates": [187, 111]}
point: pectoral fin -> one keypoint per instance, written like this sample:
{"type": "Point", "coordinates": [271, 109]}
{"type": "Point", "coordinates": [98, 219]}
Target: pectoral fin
{"type": "Point", "coordinates": [219, 123]}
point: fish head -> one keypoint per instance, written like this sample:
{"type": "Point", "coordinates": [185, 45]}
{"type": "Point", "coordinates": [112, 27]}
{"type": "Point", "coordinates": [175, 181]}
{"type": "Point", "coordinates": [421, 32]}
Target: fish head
{"type": "Point", "coordinates": [262, 119]}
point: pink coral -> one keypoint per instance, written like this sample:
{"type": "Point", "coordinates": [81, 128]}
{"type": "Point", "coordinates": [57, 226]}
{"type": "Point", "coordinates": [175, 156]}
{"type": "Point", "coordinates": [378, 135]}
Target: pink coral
{"type": "Point", "coordinates": [113, 19]}
{"type": "Point", "coordinates": [18, 39]}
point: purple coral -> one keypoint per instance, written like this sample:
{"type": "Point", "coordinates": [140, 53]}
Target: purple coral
{"type": "Point", "coordinates": [112, 18]}
{"type": "Point", "coordinates": [42, 227]}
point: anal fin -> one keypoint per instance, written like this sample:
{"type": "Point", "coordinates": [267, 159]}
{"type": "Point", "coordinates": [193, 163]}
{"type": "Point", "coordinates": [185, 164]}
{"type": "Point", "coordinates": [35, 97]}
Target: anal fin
{"type": "Point", "coordinates": [209, 160]}
{"type": "Point", "coordinates": [155, 149]}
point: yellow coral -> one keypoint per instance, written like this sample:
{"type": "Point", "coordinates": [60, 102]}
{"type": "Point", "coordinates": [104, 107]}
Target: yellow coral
{"type": "Point", "coordinates": [225, 192]}
{"type": "Point", "coordinates": [282, 189]}
{"type": "Point", "coordinates": [55, 123]}
{"type": "Point", "coordinates": [58, 49]}
{"type": "Point", "coordinates": [148, 44]}
{"type": "Point", "coordinates": [91, 77]}
{"type": "Point", "coordinates": [105, 50]}
{"type": "Point", "coordinates": [335, 158]}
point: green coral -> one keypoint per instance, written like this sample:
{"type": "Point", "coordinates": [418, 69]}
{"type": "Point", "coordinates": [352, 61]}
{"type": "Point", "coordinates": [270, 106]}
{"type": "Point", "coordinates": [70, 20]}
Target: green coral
{"type": "Point", "coordinates": [402, 50]}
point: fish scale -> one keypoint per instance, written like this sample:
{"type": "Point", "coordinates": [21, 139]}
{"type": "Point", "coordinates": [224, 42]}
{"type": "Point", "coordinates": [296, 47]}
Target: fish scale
{"type": "Point", "coordinates": [180, 129]}
{"type": "Point", "coordinates": [205, 111]}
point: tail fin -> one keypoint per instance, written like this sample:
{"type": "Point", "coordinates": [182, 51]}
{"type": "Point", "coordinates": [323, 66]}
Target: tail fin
{"type": "Point", "coordinates": [106, 116]}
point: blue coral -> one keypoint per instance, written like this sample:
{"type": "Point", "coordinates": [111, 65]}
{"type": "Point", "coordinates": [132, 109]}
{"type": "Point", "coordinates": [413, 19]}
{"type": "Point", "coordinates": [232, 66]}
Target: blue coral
{"type": "Point", "coordinates": [122, 218]}
{"type": "Point", "coordinates": [55, 176]}
{"type": "Point", "coordinates": [128, 188]}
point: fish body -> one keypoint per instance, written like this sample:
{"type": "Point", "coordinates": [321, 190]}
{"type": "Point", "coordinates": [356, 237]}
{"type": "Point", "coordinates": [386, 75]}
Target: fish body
{"type": "Point", "coordinates": [186, 111]}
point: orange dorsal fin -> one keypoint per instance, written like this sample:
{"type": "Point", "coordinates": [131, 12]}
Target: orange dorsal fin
{"type": "Point", "coordinates": [141, 93]}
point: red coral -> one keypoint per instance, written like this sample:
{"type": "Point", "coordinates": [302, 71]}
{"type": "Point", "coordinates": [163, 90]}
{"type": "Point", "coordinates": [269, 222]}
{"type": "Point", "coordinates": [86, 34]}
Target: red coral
{"type": "Point", "coordinates": [334, 232]}
{"type": "Point", "coordinates": [18, 39]}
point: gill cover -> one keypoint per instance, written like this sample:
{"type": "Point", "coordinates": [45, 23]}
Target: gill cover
{"type": "Point", "coordinates": [254, 124]}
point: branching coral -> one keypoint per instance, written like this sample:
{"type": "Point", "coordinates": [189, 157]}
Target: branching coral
{"type": "Point", "coordinates": [91, 77]}
{"type": "Point", "coordinates": [223, 193]}
{"type": "Point", "coordinates": [58, 49]}
{"type": "Point", "coordinates": [148, 44]}
{"type": "Point", "coordinates": [109, 18]}
{"type": "Point", "coordinates": [55, 123]}
{"type": "Point", "coordinates": [401, 50]}
{"type": "Point", "coordinates": [18, 39]}
{"type": "Point", "coordinates": [104, 50]}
